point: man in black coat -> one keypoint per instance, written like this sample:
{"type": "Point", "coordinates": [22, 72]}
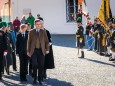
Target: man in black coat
{"type": "Point", "coordinates": [95, 33]}
{"type": "Point", "coordinates": [3, 48]}
{"type": "Point", "coordinates": [21, 46]}
{"type": "Point", "coordinates": [80, 36]}
{"type": "Point", "coordinates": [113, 41]}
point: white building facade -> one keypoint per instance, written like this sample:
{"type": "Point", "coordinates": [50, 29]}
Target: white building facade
{"type": "Point", "coordinates": [55, 12]}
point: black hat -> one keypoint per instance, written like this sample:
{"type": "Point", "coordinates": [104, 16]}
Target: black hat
{"type": "Point", "coordinates": [109, 20]}
{"type": "Point", "coordinates": [79, 20]}
{"type": "Point", "coordinates": [38, 14]}
{"type": "Point", "coordinates": [113, 20]}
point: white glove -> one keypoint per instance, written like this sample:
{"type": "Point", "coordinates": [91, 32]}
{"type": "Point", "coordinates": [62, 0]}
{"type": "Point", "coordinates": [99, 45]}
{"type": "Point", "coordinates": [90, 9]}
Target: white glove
{"type": "Point", "coordinates": [28, 54]}
{"type": "Point", "coordinates": [50, 43]}
{"type": "Point", "coordinates": [76, 43]}
{"type": "Point", "coordinates": [47, 52]}
{"type": "Point", "coordinates": [11, 45]}
{"type": "Point", "coordinates": [5, 53]}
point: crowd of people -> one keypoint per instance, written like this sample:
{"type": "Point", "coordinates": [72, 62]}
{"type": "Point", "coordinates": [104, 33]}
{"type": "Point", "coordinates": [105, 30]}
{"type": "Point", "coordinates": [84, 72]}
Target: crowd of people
{"type": "Point", "coordinates": [98, 37]}
{"type": "Point", "coordinates": [31, 42]}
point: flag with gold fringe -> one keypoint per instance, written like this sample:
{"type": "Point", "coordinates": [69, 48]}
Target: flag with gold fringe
{"type": "Point", "coordinates": [105, 12]}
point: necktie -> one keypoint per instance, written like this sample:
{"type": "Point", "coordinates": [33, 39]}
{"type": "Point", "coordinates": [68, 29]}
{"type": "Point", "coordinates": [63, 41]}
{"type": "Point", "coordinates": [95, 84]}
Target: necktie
{"type": "Point", "coordinates": [23, 36]}
{"type": "Point", "coordinates": [37, 32]}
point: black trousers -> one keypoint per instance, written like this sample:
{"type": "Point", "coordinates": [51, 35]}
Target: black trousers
{"type": "Point", "coordinates": [99, 45]}
{"type": "Point", "coordinates": [14, 60]}
{"type": "Point", "coordinates": [23, 65]}
{"type": "Point", "coordinates": [1, 63]}
{"type": "Point", "coordinates": [95, 43]}
{"type": "Point", "coordinates": [38, 64]}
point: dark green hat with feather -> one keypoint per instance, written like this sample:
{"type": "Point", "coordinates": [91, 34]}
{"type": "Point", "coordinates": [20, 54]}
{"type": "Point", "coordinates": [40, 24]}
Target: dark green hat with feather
{"type": "Point", "coordinates": [79, 20]}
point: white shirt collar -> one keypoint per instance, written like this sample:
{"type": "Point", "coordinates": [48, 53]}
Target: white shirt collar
{"type": "Point", "coordinates": [37, 30]}
{"type": "Point", "coordinates": [23, 33]}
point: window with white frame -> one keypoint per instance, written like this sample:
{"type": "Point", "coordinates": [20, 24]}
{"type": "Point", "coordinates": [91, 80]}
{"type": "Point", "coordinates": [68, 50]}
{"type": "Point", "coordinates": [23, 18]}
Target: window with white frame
{"type": "Point", "coordinates": [71, 10]}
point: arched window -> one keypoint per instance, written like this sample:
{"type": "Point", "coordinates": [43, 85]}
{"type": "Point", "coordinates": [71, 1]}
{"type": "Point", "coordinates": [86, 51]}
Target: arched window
{"type": "Point", "coordinates": [71, 10]}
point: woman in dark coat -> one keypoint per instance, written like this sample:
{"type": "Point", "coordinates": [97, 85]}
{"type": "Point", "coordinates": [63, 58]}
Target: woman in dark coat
{"type": "Point", "coordinates": [7, 61]}
{"type": "Point", "coordinates": [14, 50]}
{"type": "Point", "coordinates": [49, 58]}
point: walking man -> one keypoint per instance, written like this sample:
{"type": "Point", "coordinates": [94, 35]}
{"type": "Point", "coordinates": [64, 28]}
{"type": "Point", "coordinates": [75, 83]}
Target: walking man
{"type": "Point", "coordinates": [21, 44]}
{"type": "Point", "coordinates": [37, 47]}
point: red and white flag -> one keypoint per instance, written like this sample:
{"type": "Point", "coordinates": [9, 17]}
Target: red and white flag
{"type": "Point", "coordinates": [82, 8]}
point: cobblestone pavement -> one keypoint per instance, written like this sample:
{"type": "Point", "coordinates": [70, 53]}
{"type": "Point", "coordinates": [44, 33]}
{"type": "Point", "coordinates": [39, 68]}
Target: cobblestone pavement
{"type": "Point", "coordinates": [93, 70]}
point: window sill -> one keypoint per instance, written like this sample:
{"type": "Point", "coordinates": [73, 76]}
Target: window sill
{"type": "Point", "coordinates": [70, 23]}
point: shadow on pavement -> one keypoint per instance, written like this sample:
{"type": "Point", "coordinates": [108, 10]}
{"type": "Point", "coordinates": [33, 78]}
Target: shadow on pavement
{"type": "Point", "coordinates": [100, 62]}
{"type": "Point", "coordinates": [56, 82]}
{"type": "Point", "coordinates": [7, 83]}
{"type": "Point", "coordinates": [64, 40]}
{"type": "Point", "coordinates": [15, 77]}
{"type": "Point", "coordinates": [13, 80]}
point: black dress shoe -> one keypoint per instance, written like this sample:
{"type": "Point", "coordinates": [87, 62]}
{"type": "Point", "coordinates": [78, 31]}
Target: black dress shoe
{"type": "Point", "coordinates": [15, 69]}
{"type": "Point", "coordinates": [30, 72]}
{"type": "Point", "coordinates": [107, 55]}
{"type": "Point", "coordinates": [81, 57]}
{"type": "Point", "coordinates": [111, 59]}
{"type": "Point", "coordinates": [7, 71]}
{"type": "Point", "coordinates": [40, 83]}
{"type": "Point", "coordinates": [45, 76]}
{"type": "Point", "coordinates": [25, 80]}
{"type": "Point", "coordinates": [21, 80]}
{"type": "Point", "coordinates": [101, 54]}
{"type": "Point", "coordinates": [34, 82]}
{"type": "Point", "coordinates": [1, 79]}
{"type": "Point", "coordinates": [2, 72]}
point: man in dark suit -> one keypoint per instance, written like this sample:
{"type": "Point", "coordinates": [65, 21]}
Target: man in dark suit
{"type": "Point", "coordinates": [21, 49]}
{"type": "Point", "coordinates": [37, 47]}
{"type": "Point", "coordinates": [3, 51]}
